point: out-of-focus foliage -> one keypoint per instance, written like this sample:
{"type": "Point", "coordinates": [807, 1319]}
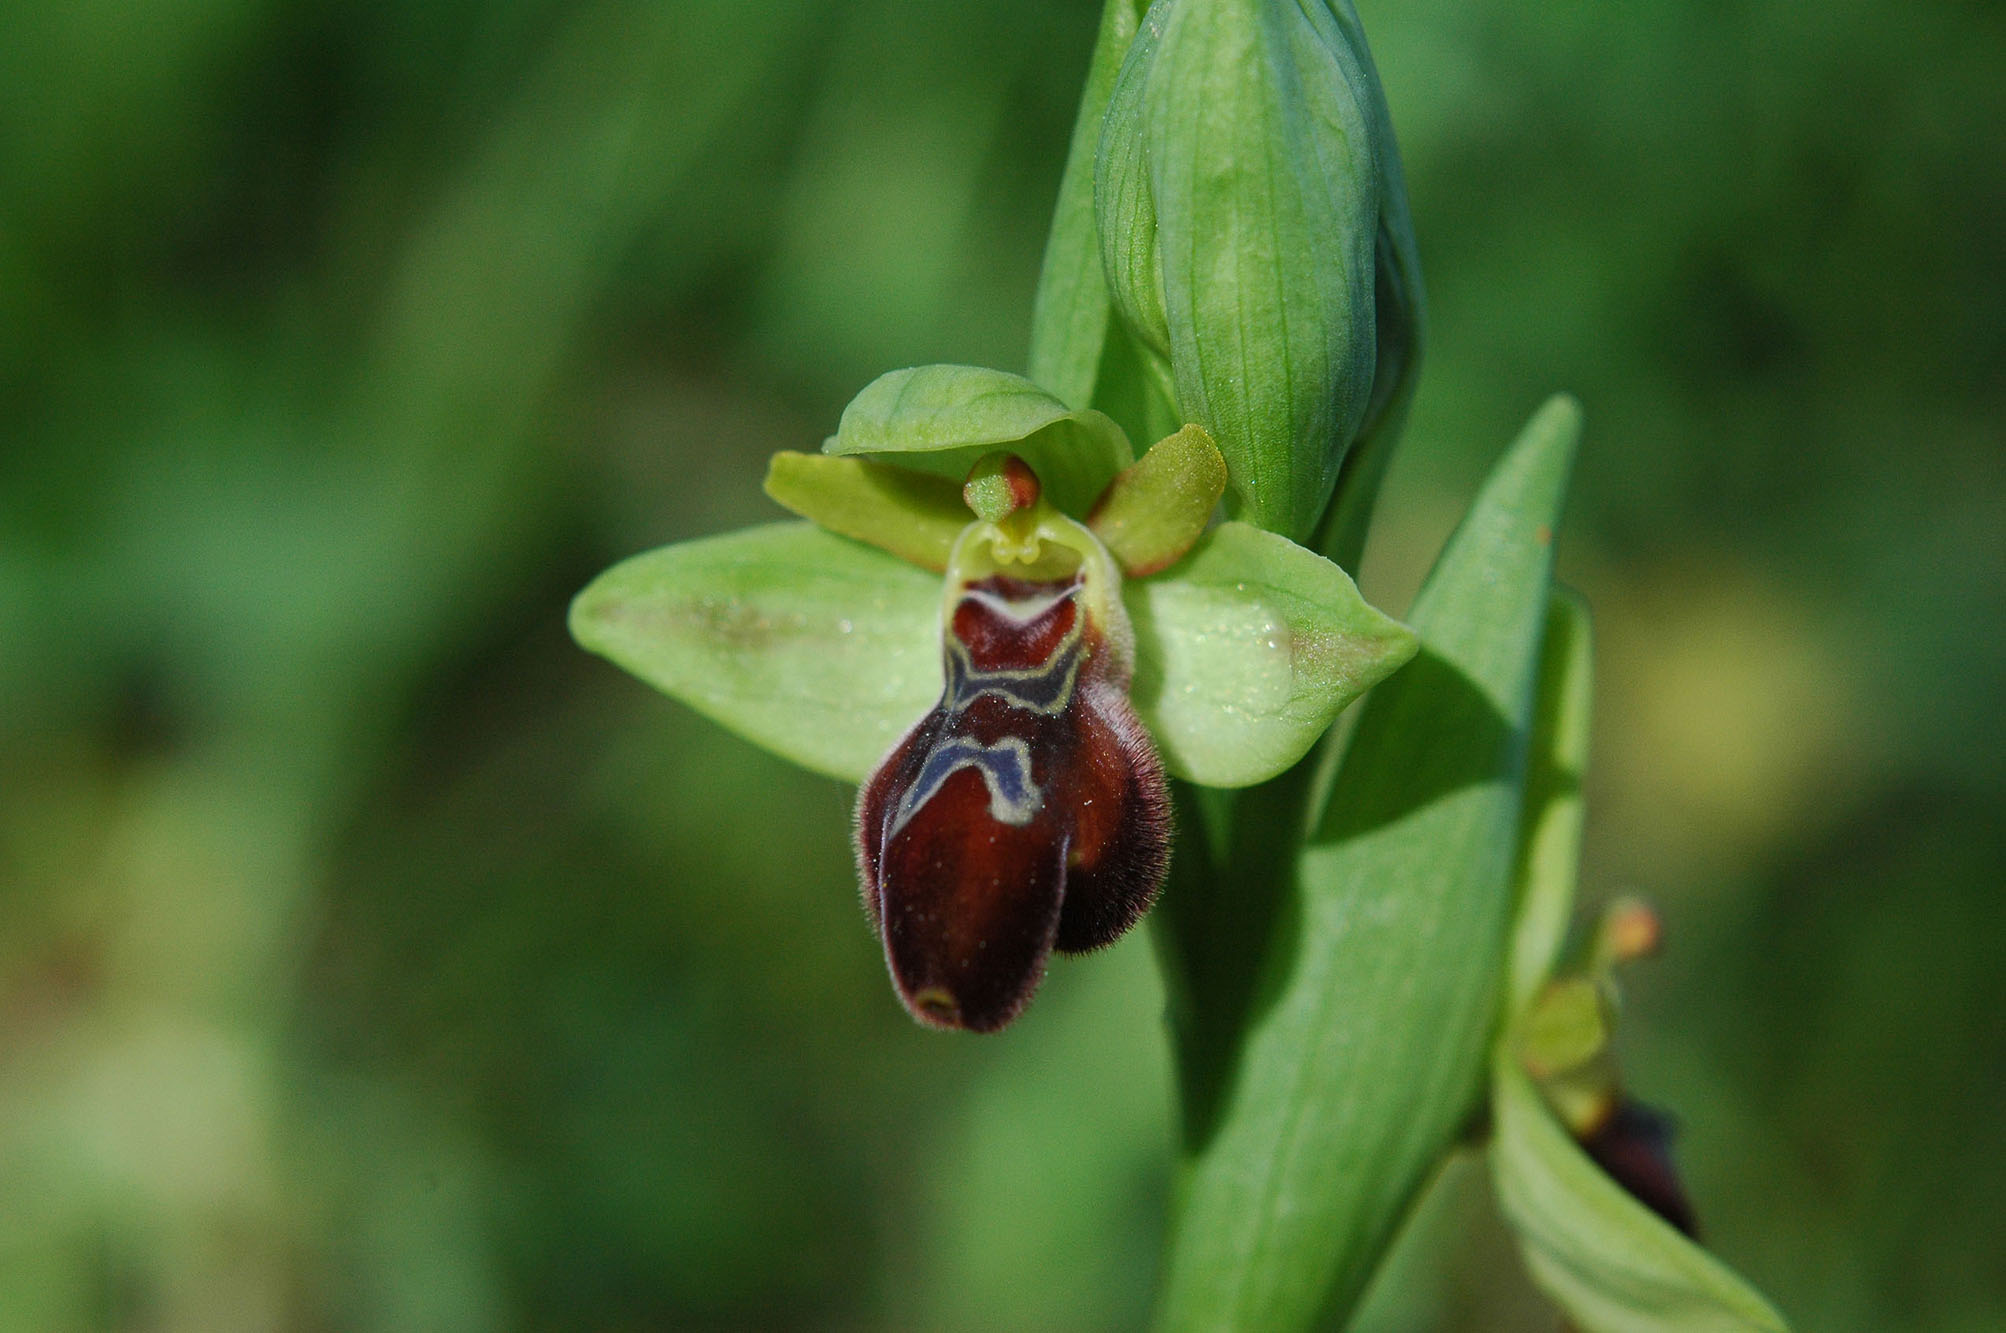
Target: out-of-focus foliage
{"type": "Point", "coordinates": [372, 958]}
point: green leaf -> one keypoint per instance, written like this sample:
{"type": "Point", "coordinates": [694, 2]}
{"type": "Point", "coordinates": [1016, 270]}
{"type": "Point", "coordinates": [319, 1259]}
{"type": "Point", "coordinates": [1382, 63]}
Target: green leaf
{"type": "Point", "coordinates": [913, 515]}
{"type": "Point", "coordinates": [943, 419]}
{"type": "Point", "coordinates": [1152, 512]}
{"type": "Point", "coordinates": [821, 650]}
{"type": "Point", "coordinates": [1246, 651]}
{"type": "Point", "coordinates": [1070, 316]}
{"type": "Point", "coordinates": [1363, 1046]}
{"type": "Point", "coordinates": [1240, 193]}
{"type": "Point", "coordinates": [1610, 1262]}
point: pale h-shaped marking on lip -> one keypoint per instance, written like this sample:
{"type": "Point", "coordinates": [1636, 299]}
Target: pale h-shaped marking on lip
{"type": "Point", "coordinates": [1014, 798]}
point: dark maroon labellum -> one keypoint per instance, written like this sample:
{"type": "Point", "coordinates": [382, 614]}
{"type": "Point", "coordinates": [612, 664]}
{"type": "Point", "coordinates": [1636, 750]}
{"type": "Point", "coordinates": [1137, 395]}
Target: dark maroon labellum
{"type": "Point", "coordinates": [1026, 812]}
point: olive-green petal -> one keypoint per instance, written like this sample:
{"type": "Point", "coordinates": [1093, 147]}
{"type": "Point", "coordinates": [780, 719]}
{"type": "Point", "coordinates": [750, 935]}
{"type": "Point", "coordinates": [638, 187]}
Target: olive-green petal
{"type": "Point", "coordinates": [1247, 649]}
{"type": "Point", "coordinates": [815, 647]}
{"type": "Point", "coordinates": [1153, 511]}
{"type": "Point", "coordinates": [943, 419]}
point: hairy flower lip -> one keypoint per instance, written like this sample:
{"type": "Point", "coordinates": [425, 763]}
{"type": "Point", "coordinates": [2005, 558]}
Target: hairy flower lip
{"type": "Point", "coordinates": [1027, 811]}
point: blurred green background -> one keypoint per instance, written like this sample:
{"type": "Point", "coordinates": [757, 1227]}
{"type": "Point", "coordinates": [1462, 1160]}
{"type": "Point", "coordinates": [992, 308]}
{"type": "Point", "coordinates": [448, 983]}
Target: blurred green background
{"type": "Point", "coordinates": [371, 958]}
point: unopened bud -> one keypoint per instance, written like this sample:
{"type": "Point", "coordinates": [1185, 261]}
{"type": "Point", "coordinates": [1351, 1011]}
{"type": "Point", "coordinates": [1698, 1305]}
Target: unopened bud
{"type": "Point", "coordinates": [1253, 221]}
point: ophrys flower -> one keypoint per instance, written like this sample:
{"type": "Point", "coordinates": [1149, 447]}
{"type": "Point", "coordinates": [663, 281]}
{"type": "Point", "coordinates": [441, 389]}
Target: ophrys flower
{"type": "Point", "coordinates": [1012, 728]}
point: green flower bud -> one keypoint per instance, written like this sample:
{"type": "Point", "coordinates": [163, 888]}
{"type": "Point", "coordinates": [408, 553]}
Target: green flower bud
{"type": "Point", "coordinates": [1253, 226]}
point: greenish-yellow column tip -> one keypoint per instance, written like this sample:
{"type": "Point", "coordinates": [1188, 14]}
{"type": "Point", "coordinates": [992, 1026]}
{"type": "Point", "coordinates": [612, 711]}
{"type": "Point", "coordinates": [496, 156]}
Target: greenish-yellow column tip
{"type": "Point", "coordinates": [999, 485]}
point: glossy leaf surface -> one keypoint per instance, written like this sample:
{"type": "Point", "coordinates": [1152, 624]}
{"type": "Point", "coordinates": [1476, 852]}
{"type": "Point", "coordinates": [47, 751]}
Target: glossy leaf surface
{"type": "Point", "coordinates": [1611, 1263]}
{"type": "Point", "coordinates": [1364, 1046]}
{"type": "Point", "coordinates": [1551, 849]}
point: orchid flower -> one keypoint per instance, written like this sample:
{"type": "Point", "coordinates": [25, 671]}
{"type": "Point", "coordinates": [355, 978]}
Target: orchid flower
{"type": "Point", "coordinates": [1008, 631]}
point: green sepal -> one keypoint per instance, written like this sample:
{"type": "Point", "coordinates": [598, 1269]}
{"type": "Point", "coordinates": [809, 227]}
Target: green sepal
{"type": "Point", "coordinates": [943, 419]}
{"type": "Point", "coordinates": [1248, 650]}
{"type": "Point", "coordinates": [815, 647]}
{"type": "Point", "coordinates": [825, 651]}
{"type": "Point", "coordinates": [1364, 1050]}
{"type": "Point", "coordinates": [1153, 511]}
{"type": "Point", "coordinates": [1610, 1262]}
{"type": "Point", "coordinates": [914, 515]}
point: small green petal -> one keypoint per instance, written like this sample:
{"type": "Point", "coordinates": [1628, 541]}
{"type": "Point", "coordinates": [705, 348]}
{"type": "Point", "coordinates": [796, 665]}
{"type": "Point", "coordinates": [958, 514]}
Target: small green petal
{"type": "Point", "coordinates": [943, 419]}
{"type": "Point", "coordinates": [817, 648]}
{"type": "Point", "coordinates": [1152, 512]}
{"type": "Point", "coordinates": [1248, 650]}
{"type": "Point", "coordinates": [914, 515]}
{"type": "Point", "coordinates": [1609, 1261]}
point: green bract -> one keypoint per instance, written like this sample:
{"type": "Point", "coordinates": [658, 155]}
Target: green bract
{"type": "Point", "coordinates": [1253, 228]}
{"type": "Point", "coordinates": [1608, 1260]}
{"type": "Point", "coordinates": [825, 650]}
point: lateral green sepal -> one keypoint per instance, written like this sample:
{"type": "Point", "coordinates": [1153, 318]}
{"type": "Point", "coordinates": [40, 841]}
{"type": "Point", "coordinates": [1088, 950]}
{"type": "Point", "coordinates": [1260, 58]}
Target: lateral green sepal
{"type": "Point", "coordinates": [825, 651]}
{"type": "Point", "coordinates": [807, 644]}
{"type": "Point", "coordinates": [1248, 650]}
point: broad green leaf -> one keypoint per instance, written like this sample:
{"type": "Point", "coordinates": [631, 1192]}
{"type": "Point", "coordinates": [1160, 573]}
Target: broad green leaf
{"type": "Point", "coordinates": [1152, 512]}
{"type": "Point", "coordinates": [1551, 847]}
{"type": "Point", "coordinates": [1611, 1263]}
{"type": "Point", "coordinates": [1247, 649]}
{"type": "Point", "coordinates": [817, 648]}
{"type": "Point", "coordinates": [1240, 197]}
{"type": "Point", "coordinates": [943, 419]}
{"type": "Point", "coordinates": [1070, 316]}
{"type": "Point", "coordinates": [914, 515]}
{"type": "Point", "coordinates": [1364, 1046]}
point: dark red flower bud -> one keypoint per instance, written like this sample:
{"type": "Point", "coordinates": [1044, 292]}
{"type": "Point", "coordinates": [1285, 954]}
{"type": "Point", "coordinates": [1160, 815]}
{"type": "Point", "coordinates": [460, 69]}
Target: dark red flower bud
{"type": "Point", "coordinates": [1633, 1144]}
